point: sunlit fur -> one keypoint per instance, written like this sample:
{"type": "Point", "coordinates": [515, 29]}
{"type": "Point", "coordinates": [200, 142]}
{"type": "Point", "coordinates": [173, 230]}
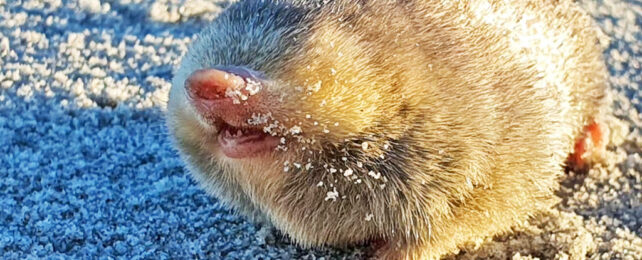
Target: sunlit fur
{"type": "Point", "coordinates": [468, 108]}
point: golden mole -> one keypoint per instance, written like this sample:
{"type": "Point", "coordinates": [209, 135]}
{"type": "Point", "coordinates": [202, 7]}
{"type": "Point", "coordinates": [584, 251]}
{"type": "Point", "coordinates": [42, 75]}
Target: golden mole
{"type": "Point", "coordinates": [420, 124]}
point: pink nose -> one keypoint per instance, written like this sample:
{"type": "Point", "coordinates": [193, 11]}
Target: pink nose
{"type": "Point", "coordinates": [224, 95]}
{"type": "Point", "coordinates": [212, 84]}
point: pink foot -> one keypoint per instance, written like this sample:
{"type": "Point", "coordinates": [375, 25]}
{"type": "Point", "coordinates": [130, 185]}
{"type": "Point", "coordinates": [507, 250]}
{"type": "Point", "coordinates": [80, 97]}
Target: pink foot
{"type": "Point", "coordinates": [589, 147]}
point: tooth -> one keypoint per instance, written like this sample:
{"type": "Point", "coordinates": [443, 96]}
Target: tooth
{"type": "Point", "coordinates": [227, 133]}
{"type": "Point", "coordinates": [239, 132]}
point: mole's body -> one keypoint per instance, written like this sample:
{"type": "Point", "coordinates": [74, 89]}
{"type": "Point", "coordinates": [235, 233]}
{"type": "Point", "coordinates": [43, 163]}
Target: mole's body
{"type": "Point", "coordinates": [424, 124]}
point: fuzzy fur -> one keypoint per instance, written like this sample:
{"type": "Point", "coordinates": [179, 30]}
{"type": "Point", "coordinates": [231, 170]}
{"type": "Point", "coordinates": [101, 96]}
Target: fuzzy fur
{"type": "Point", "coordinates": [468, 109]}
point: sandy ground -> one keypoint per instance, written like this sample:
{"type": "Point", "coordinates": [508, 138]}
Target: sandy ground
{"type": "Point", "coordinates": [86, 168]}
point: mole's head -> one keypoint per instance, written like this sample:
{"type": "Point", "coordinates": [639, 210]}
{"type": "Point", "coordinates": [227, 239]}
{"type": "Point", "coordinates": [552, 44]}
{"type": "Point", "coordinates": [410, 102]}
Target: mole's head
{"type": "Point", "coordinates": [277, 99]}
{"type": "Point", "coordinates": [270, 82]}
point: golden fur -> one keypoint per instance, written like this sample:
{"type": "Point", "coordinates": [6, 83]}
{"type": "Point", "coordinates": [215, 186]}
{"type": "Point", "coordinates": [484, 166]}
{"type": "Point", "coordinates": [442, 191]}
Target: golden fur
{"type": "Point", "coordinates": [468, 110]}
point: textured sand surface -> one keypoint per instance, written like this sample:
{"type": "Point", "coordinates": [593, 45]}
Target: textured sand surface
{"type": "Point", "coordinates": [86, 168]}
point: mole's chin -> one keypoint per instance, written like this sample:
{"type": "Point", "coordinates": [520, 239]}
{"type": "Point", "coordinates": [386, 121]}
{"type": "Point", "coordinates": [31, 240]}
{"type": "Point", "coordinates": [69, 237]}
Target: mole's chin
{"type": "Point", "coordinates": [240, 143]}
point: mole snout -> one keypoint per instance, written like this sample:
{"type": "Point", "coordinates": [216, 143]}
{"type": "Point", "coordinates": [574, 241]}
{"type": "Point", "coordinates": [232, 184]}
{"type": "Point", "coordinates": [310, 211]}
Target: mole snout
{"type": "Point", "coordinates": [228, 97]}
{"type": "Point", "coordinates": [212, 84]}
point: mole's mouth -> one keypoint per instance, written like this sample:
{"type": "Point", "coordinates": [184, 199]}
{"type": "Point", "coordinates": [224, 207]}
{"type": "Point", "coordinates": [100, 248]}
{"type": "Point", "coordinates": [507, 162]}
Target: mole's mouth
{"type": "Point", "coordinates": [228, 96]}
{"type": "Point", "coordinates": [245, 142]}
